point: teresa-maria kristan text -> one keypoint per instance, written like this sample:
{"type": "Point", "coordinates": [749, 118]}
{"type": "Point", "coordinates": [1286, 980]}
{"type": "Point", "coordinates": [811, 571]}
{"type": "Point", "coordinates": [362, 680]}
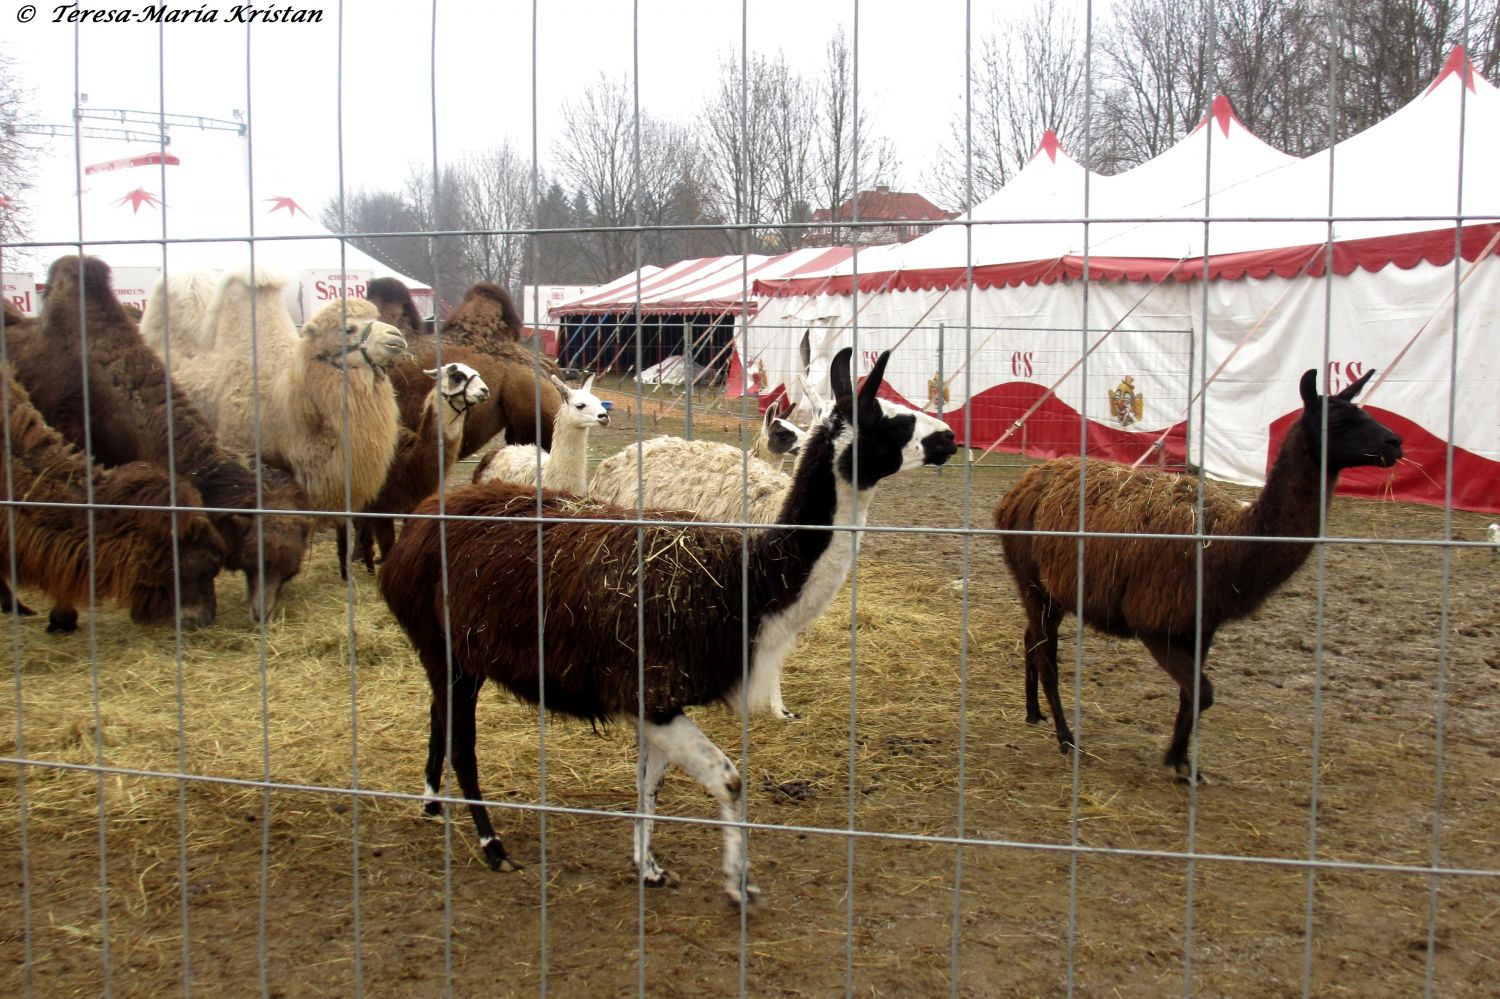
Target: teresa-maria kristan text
{"type": "Point", "coordinates": [241, 13]}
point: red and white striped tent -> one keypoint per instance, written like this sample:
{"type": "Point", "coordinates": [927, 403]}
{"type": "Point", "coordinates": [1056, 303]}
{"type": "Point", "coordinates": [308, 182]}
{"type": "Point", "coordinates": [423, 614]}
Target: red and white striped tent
{"type": "Point", "coordinates": [699, 301]}
{"type": "Point", "coordinates": [1223, 258]}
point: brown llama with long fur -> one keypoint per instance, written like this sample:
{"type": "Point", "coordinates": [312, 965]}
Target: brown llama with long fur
{"type": "Point", "coordinates": [393, 299]}
{"type": "Point", "coordinates": [420, 464]}
{"type": "Point", "coordinates": [641, 622]}
{"type": "Point", "coordinates": [128, 421]}
{"type": "Point", "coordinates": [1147, 588]}
{"type": "Point", "coordinates": [138, 562]}
{"type": "Point", "coordinates": [513, 400]}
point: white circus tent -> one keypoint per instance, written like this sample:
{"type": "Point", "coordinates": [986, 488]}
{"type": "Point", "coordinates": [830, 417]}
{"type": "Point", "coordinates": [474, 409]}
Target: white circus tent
{"type": "Point", "coordinates": [1221, 256]}
{"type": "Point", "coordinates": [190, 205]}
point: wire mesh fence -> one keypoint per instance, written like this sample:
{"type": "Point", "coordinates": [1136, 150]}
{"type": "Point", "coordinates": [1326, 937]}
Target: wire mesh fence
{"type": "Point", "coordinates": [205, 791]}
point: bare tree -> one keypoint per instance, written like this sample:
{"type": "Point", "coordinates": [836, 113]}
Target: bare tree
{"type": "Point", "coordinates": [16, 154]}
{"type": "Point", "coordinates": [1028, 79]}
{"type": "Point", "coordinates": [1157, 79]}
{"type": "Point", "coordinates": [740, 127]}
{"type": "Point", "coordinates": [494, 191]}
{"type": "Point", "coordinates": [850, 152]}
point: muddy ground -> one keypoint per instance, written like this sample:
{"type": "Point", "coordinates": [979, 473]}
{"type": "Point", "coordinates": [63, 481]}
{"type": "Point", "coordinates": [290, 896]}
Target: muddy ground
{"type": "Point", "coordinates": [316, 893]}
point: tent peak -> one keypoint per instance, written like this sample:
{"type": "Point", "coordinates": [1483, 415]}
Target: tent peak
{"type": "Point", "coordinates": [1458, 64]}
{"type": "Point", "coordinates": [1049, 145]}
{"type": "Point", "coordinates": [1222, 112]}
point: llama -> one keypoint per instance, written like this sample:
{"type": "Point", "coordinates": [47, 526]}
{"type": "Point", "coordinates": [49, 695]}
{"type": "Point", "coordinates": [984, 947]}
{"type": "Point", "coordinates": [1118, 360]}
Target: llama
{"type": "Point", "coordinates": [393, 300]}
{"type": "Point", "coordinates": [565, 467]}
{"type": "Point", "coordinates": [516, 395]}
{"type": "Point", "coordinates": [777, 439]}
{"type": "Point", "coordinates": [710, 478]}
{"type": "Point", "coordinates": [417, 472]}
{"type": "Point", "coordinates": [128, 394]}
{"type": "Point", "coordinates": [692, 591]}
{"type": "Point", "coordinates": [142, 557]}
{"type": "Point", "coordinates": [1147, 589]}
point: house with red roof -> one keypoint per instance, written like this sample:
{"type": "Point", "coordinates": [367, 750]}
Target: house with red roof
{"type": "Point", "coordinates": [884, 216]}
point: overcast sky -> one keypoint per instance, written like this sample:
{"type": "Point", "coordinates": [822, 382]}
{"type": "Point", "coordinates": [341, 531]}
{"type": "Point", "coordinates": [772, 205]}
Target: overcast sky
{"type": "Point", "coordinates": [287, 76]}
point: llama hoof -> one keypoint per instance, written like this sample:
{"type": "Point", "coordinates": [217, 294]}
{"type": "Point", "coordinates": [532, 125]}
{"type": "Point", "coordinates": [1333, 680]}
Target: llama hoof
{"type": "Point", "coordinates": [62, 622]}
{"type": "Point", "coordinates": [1035, 718]}
{"type": "Point", "coordinates": [496, 857]}
{"type": "Point", "coordinates": [660, 879]}
{"type": "Point", "coordinates": [1066, 746]}
{"type": "Point", "coordinates": [749, 898]}
{"type": "Point", "coordinates": [432, 809]}
{"type": "Point", "coordinates": [786, 715]}
{"type": "Point", "coordinates": [7, 606]}
{"type": "Point", "coordinates": [1184, 775]}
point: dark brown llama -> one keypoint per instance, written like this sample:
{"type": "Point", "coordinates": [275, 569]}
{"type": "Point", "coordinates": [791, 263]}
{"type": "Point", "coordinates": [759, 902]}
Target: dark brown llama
{"type": "Point", "coordinates": [138, 561]}
{"type": "Point", "coordinates": [1146, 588]}
{"type": "Point", "coordinates": [128, 421]}
{"type": "Point", "coordinates": [420, 465]}
{"type": "Point", "coordinates": [512, 404]}
{"type": "Point", "coordinates": [485, 318]}
{"type": "Point", "coordinates": [692, 594]}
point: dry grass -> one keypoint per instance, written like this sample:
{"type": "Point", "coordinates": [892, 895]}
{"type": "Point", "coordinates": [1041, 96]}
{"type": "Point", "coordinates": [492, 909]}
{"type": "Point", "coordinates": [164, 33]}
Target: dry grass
{"type": "Point", "coordinates": [296, 707]}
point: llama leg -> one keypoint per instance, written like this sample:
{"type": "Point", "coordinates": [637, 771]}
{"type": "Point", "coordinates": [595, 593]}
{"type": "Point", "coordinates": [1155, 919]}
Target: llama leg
{"type": "Point", "coordinates": [384, 531]}
{"type": "Point", "coordinates": [1037, 648]}
{"type": "Point", "coordinates": [684, 744]}
{"type": "Point", "coordinates": [341, 539]}
{"type": "Point", "coordinates": [364, 543]}
{"type": "Point", "coordinates": [1041, 662]}
{"type": "Point", "coordinates": [62, 620]}
{"type": "Point", "coordinates": [651, 769]}
{"type": "Point", "coordinates": [466, 768]}
{"type": "Point", "coordinates": [8, 602]}
{"type": "Point", "coordinates": [1175, 655]}
{"type": "Point", "coordinates": [432, 774]}
{"type": "Point", "coordinates": [765, 677]}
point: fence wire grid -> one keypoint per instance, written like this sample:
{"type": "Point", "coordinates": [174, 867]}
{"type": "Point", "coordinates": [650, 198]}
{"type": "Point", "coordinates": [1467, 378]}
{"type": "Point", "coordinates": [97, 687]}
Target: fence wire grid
{"type": "Point", "coordinates": [240, 807]}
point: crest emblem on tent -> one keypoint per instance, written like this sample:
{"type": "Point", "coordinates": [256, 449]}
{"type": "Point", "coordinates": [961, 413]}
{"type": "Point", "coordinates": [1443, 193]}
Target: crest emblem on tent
{"type": "Point", "coordinates": [937, 393]}
{"type": "Point", "coordinates": [1125, 403]}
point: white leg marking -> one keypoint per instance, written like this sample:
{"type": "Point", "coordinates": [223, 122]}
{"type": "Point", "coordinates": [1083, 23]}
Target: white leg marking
{"type": "Point", "coordinates": [429, 795]}
{"type": "Point", "coordinates": [685, 745]}
{"type": "Point", "coordinates": [650, 770]}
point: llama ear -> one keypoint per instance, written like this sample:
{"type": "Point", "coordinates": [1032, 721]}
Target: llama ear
{"type": "Point", "coordinates": [1310, 390]}
{"type": "Point", "coordinates": [561, 385]}
{"type": "Point", "coordinates": [838, 377]}
{"type": "Point", "coordinates": [430, 372]}
{"type": "Point", "coordinates": [1353, 390]}
{"type": "Point", "coordinates": [588, 383]}
{"type": "Point", "coordinates": [869, 404]}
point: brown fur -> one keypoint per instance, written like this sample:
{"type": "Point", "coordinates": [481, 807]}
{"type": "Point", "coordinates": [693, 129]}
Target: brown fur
{"type": "Point", "coordinates": [514, 395]}
{"type": "Point", "coordinates": [133, 547]}
{"type": "Point", "coordinates": [1150, 588]}
{"type": "Point", "coordinates": [129, 396]}
{"type": "Point", "coordinates": [394, 301]}
{"type": "Point", "coordinates": [485, 318]}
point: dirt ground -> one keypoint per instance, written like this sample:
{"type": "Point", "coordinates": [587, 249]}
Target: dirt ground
{"type": "Point", "coordinates": [311, 892]}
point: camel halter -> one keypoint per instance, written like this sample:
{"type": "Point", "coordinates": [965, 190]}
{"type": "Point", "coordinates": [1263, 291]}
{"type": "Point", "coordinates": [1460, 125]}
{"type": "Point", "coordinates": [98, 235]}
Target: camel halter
{"type": "Point", "coordinates": [336, 357]}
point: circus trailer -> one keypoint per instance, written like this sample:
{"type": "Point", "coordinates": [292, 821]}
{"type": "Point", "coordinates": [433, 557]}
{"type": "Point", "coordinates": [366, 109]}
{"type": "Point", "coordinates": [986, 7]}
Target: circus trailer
{"type": "Point", "coordinates": [308, 291]}
{"type": "Point", "coordinates": [20, 291]}
{"type": "Point", "coordinates": [132, 285]}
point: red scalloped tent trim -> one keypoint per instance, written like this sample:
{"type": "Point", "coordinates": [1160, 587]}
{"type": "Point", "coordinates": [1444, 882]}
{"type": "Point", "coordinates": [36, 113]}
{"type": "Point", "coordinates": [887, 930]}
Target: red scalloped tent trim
{"type": "Point", "coordinates": [1404, 250]}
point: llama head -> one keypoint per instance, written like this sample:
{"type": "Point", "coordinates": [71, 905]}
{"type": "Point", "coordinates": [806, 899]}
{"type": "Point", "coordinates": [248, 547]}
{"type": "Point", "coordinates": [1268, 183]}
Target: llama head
{"type": "Point", "coordinates": [460, 385]}
{"type": "Point", "coordinates": [891, 437]}
{"type": "Point", "coordinates": [781, 436]}
{"type": "Point", "coordinates": [349, 334]}
{"type": "Point", "coordinates": [1355, 437]}
{"type": "Point", "coordinates": [580, 407]}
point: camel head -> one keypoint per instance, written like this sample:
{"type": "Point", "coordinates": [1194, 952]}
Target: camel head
{"type": "Point", "coordinates": [349, 334]}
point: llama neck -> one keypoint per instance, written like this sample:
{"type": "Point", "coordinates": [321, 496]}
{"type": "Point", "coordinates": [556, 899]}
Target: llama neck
{"type": "Point", "coordinates": [567, 462]}
{"type": "Point", "coordinates": [1288, 507]}
{"type": "Point", "coordinates": [799, 570]}
{"type": "Point", "coordinates": [453, 418]}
